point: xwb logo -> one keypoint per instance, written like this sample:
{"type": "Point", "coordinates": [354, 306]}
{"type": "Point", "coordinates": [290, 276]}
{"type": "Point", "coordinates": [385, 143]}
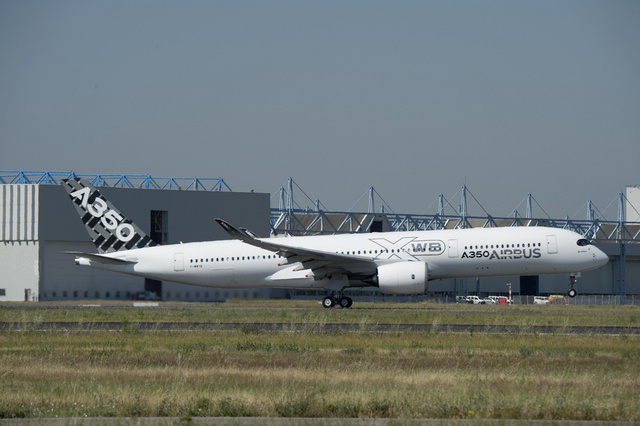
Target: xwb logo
{"type": "Point", "coordinates": [430, 248]}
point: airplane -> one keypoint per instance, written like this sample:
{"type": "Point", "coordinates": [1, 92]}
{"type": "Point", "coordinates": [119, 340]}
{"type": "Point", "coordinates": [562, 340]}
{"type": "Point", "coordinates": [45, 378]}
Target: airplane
{"type": "Point", "coordinates": [394, 262]}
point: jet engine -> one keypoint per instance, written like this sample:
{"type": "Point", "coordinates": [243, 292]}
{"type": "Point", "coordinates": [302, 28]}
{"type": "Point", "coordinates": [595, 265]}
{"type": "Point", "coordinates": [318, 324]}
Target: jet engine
{"type": "Point", "coordinates": [403, 278]}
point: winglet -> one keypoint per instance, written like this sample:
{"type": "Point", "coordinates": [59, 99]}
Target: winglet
{"type": "Point", "coordinates": [235, 232]}
{"type": "Point", "coordinates": [250, 233]}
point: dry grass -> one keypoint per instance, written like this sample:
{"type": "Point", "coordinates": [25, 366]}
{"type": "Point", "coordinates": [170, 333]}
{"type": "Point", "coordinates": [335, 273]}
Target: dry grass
{"type": "Point", "coordinates": [300, 374]}
{"type": "Point", "coordinates": [304, 372]}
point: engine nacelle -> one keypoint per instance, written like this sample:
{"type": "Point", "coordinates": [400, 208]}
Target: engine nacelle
{"type": "Point", "coordinates": [403, 278]}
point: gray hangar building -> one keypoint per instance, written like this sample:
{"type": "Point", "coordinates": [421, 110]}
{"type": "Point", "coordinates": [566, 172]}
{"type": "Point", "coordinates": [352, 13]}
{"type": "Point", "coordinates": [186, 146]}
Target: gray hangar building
{"type": "Point", "coordinates": [38, 223]}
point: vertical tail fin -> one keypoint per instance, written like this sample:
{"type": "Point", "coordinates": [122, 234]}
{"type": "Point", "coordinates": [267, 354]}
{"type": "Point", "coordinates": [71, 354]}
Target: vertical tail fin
{"type": "Point", "coordinates": [109, 229]}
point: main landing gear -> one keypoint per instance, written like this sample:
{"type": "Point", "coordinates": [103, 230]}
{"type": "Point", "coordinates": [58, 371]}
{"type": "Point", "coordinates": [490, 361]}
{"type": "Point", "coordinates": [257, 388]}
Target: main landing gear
{"type": "Point", "coordinates": [337, 299]}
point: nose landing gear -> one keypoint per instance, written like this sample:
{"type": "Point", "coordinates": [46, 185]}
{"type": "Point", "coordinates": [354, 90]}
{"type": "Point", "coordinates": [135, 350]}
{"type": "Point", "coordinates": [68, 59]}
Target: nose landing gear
{"type": "Point", "coordinates": [572, 281]}
{"type": "Point", "coordinates": [337, 299]}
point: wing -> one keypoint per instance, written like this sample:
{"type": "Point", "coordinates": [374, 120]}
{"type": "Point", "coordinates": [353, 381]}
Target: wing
{"type": "Point", "coordinates": [322, 263]}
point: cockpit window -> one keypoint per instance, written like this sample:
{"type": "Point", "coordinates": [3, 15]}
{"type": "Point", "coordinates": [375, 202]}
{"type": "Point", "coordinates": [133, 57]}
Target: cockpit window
{"type": "Point", "coordinates": [582, 242]}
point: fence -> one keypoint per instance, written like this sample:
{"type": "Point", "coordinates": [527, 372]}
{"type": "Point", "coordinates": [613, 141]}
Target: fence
{"type": "Point", "coordinates": [587, 299]}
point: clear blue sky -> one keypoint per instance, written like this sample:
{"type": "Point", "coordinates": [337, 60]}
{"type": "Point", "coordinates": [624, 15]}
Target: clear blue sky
{"type": "Point", "coordinates": [411, 97]}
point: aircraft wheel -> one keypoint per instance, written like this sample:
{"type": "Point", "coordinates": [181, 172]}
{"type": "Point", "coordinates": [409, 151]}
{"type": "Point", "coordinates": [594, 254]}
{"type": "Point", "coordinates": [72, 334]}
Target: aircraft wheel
{"type": "Point", "coordinates": [572, 293]}
{"type": "Point", "coordinates": [328, 302]}
{"type": "Point", "coordinates": [346, 302]}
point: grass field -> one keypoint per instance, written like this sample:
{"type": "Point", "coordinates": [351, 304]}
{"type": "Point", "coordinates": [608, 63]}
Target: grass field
{"type": "Point", "coordinates": [307, 373]}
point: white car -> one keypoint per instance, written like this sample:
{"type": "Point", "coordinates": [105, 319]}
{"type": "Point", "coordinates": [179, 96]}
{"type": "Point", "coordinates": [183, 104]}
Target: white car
{"type": "Point", "coordinates": [462, 299]}
{"type": "Point", "coordinates": [475, 300]}
{"type": "Point", "coordinates": [540, 300]}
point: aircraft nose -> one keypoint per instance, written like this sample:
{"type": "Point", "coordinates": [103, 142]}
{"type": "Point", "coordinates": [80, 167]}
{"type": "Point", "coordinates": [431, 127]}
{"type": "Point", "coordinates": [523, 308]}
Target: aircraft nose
{"type": "Point", "coordinates": [599, 257]}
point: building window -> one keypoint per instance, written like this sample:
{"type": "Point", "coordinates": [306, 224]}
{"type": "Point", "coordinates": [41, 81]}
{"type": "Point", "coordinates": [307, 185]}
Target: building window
{"type": "Point", "coordinates": [3, 291]}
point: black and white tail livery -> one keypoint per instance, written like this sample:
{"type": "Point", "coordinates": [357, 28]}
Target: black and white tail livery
{"type": "Point", "coordinates": [109, 229]}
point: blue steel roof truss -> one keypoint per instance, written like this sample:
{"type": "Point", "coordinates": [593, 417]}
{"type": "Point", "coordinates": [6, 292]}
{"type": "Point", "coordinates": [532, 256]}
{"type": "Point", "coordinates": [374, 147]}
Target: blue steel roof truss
{"type": "Point", "coordinates": [117, 180]}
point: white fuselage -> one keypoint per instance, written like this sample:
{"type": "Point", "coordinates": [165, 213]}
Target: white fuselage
{"type": "Point", "coordinates": [447, 253]}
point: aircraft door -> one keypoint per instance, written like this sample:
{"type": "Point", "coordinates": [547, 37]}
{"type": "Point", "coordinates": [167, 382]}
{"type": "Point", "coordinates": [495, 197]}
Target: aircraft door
{"type": "Point", "coordinates": [178, 262]}
{"type": "Point", "coordinates": [552, 244]}
{"type": "Point", "coordinates": [452, 248]}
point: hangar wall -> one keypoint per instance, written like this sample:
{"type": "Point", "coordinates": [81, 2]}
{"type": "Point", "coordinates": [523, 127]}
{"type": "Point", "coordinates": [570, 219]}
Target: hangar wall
{"type": "Point", "coordinates": [20, 270]}
{"type": "Point", "coordinates": [632, 203]}
{"type": "Point", "coordinates": [19, 244]}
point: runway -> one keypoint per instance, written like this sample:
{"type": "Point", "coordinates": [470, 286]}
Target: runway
{"type": "Point", "coordinates": [325, 327]}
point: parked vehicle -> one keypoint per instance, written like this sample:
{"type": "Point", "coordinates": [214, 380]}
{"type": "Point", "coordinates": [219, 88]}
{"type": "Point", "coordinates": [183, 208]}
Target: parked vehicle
{"type": "Point", "coordinates": [500, 300]}
{"type": "Point", "coordinates": [462, 299]}
{"type": "Point", "coordinates": [540, 300]}
{"type": "Point", "coordinates": [475, 300]}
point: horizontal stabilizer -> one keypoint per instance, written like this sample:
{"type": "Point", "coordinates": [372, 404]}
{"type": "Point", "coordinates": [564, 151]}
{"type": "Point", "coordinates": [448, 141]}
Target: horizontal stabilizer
{"type": "Point", "coordinates": [100, 258]}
